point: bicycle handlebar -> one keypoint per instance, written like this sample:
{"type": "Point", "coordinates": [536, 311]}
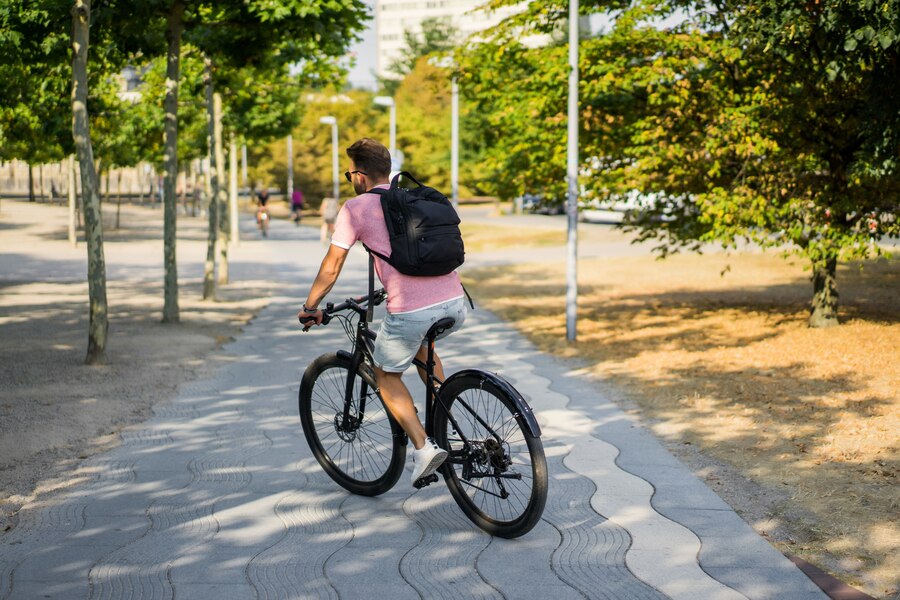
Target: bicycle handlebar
{"type": "Point", "coordinates": [357, 304]}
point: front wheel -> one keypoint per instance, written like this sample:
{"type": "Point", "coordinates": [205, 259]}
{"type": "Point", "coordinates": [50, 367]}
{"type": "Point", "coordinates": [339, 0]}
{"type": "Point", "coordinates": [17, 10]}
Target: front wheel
{"type": "Point", "coordinates": [496, 469]}
{"type": "Point", "coordinates": [358, 444]}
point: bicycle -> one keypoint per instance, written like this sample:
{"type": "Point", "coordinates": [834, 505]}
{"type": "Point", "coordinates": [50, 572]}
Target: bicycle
{"type": "Point", "coordinates": [495, 470]}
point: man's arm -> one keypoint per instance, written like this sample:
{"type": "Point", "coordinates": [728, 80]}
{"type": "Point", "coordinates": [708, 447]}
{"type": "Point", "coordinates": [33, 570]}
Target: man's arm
{"type": "Point", "coordinates": [328, 273]}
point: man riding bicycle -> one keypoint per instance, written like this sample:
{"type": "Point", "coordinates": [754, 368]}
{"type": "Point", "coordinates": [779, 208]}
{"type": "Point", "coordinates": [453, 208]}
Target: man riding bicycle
{"type": "Point", "coordinates": [414, 303]}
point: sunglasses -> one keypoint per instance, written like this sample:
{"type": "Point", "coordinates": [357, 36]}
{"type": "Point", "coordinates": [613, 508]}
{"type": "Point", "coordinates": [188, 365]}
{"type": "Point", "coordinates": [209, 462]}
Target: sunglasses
{"type": "Point", "coordinates": [347, 174]}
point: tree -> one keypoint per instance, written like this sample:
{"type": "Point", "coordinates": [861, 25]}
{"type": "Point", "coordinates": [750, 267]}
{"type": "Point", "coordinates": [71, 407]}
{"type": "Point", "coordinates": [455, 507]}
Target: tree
{"type": "Point", "coordinates": [270, 36]}
{"type": "Point", "coordinates": [757, 121]}
{"type": "Point", "coordinates": [834, 68]}
{"type": "Point", "coordinates": [232, 34]}
{"type": "Point", "coordinates": [436, 35]}
{"type": "Point", "coordinates": [36, 40]}
{"type": "Point", "coordinates": [35, 124]}
{"type": "Point", "coordinates": [174, 29]}
{"type": "Point", "coordinates": [99, 323]}
{"type": "Point", "coordinates": [357, 117]}
{"type": "Point", "coordinates": [423, 99]}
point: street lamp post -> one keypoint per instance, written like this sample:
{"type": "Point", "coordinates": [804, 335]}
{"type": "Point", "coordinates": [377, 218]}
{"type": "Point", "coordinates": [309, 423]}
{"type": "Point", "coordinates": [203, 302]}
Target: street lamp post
{"type": "Point", "coordinates": [388, 101]}
{"type": "Point", "coordinates": [334, 153]}
{"type": "Point", "coordinates": [446, 62]}
{"type": "Point", "coordinates": [290, 167]}
{"type": "Point", "coordinates": [454, 141]}
{"type": "Point", "coordinates": [572, 176]}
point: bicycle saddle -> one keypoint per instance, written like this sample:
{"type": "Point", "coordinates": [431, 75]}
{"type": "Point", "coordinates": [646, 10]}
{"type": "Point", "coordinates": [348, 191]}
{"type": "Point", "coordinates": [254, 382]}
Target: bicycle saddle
{"type": "Point", "coordinates": [440, 327]}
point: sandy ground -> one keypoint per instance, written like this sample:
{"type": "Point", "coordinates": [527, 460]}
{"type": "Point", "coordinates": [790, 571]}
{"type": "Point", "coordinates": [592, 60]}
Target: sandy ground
{"type": "Point", "coordinates": [54, 410]}
{"type": "Point", "coordinates": [796, 428]}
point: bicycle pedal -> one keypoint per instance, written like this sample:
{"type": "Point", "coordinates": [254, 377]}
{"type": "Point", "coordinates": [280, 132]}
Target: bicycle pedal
{"type": "Point", "coordinates": [425, 481]}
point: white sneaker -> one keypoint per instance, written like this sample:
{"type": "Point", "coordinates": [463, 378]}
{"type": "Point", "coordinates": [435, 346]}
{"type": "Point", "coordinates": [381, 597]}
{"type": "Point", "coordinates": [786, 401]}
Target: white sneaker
{"type": "Point", "coordinates": [427, 459]}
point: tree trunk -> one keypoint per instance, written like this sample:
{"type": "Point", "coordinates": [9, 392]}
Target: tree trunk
{"type": "Point", "coordinates": [233, 192]}
{"type": "Point", "coordinates": [182, 190]}
{"type": "Point", "coordinates": [825, 295]}
{"type": "Point", "coordinates": [118, 198]}
{"type": "Point", "coordinates": [195, 191]}
{"type": "Point", "coordinates": [104, 176]}
{"type": "Point", "coordinates": [30, 183]}
{"type": "Point", "coordinates": [220, 190]}
{"type": "Point", "coordinates": [140, 185]}
{"type": "Point", "coordinates": [174, 30]}
{"type": "Point", "coordinates": [99, 325]}
{"type": "Point", "coordinates": [209, 268]}
{"type": "Point", "coordinates": [73, 199]}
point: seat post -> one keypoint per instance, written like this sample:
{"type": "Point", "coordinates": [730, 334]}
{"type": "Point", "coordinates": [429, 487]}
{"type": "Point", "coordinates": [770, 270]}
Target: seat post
{"type": "Point", "coordinates": [429, 363]}
{"type": "Point", "coordinates": [433, 332]}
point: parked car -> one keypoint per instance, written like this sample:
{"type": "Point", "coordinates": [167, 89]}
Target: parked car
{"type": "Point", "coordinates": [540, 204]}
{"type": "Point", "coordinates": [594, 211]}
{"type": "Point", "coordinates": [614, 209]}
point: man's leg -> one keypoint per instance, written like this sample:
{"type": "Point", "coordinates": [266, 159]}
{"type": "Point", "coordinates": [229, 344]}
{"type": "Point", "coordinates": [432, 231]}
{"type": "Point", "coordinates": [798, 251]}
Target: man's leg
{"type": "Point", "coordinates": [400, 403]}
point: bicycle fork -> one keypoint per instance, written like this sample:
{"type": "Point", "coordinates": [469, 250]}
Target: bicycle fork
{"type": "Point", "coordinates": [351, 422]}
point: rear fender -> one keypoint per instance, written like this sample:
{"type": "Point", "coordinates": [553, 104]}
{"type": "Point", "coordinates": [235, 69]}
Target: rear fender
{"type": "Point", "coordinates": [530, 423]}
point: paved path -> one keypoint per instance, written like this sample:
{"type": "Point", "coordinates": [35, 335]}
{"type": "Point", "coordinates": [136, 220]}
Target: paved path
{"type": "Point", "coordinates": [218, 497]}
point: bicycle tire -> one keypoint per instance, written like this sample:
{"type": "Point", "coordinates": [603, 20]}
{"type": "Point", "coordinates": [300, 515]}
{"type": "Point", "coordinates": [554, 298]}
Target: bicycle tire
{"type": "Point", "coordinates": [366, 458]}
{"type": "Point", "coordinates": [477, 478]}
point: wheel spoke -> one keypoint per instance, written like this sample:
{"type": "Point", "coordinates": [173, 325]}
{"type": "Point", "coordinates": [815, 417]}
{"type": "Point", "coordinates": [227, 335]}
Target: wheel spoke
{"type": "Point", "coordinates": [360, 452]}
{"type": "Point", "coordinates": [491, 472]}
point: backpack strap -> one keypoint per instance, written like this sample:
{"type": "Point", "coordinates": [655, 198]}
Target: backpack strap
{"type": "Point", "coordinates": [386, 259]}
{"type": "Point", "coordinates": [370, 310]}
{"type": "Point", "coordinates": [468, 297]}
{"type": "Point", "coordinates": [396, 180]}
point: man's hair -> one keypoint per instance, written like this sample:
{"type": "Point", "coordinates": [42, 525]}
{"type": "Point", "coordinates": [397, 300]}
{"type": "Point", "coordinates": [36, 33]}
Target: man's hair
{"type": "Point", "coordinates": [370, 157]}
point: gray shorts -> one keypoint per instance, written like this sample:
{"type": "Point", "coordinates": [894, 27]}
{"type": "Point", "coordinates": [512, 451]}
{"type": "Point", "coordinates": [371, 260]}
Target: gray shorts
{"type": "Point", "coordinates": [401, 335]}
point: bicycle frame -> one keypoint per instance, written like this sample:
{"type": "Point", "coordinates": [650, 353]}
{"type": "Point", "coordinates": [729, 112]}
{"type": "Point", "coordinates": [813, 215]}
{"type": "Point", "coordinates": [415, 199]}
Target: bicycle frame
{"type": "Point", "coordinates": [362, 356]}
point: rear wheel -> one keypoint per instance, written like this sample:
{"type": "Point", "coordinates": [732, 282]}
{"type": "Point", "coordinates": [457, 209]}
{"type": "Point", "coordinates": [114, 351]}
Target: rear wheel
{"type": "Point", "coordinates": [496, 470]}
{"type": "Point", "coordinates": [360, 450]}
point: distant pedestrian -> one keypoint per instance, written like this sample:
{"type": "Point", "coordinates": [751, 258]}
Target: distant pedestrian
{"type": "Point", "coordinates": [330, 209]}
{"type": "Point", "coordinates": [262, 211]}
{"type": "Point", "coordinates": [297, 205]}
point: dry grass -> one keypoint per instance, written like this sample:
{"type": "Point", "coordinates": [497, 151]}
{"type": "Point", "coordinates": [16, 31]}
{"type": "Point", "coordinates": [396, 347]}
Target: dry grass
{"type": "Point", "coordinates": [726, 363]}
{"type": "Point", "coordinates": [484, 238]}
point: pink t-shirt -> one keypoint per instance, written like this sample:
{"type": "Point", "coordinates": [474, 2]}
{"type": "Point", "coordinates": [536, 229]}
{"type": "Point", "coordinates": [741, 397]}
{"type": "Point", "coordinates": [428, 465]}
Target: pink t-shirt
{"type": "Point", "coordinates": [362, 219]}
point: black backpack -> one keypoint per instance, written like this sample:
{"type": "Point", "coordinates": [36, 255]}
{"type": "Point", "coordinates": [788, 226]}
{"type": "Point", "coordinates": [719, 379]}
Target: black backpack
{"type": "Point", "coordinates": [423, 228]}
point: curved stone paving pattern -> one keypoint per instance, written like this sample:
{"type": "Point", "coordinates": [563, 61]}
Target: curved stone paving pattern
{"type": "Point", "coordinates": [591, 555]}
{"type": "Point", "coordinates": [217, 496]}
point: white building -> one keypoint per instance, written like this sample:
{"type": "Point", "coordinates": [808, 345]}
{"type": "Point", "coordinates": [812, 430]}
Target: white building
{"type": "Point", "coordinates": [394, 17]}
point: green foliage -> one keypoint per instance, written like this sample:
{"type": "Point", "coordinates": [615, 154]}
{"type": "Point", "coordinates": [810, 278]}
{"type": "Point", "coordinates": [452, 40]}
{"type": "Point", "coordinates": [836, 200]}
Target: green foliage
{"type": "Point", "coordinates": [438, 35]}
{"type": "Point", "coordinates": [833, 67]}
{"type": "Point", "coordinates": [144, 120]}
{"type": "Point", "coordinates": [772, 121]}
{"type": "Point", "coordinates": [521, 107]}
{"type": "Point", "coordinates": [35, 98]}
{"type": "Point", "coordinates": [423, 131]}
{"type": "Point", "coordinates": [357, 116]}
{"type": "Point", "coordinates": [265, 52]}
